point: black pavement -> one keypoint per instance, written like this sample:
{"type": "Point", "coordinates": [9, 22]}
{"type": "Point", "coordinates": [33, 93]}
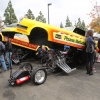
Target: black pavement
{"type": "Point", "coordinates": [74, 86]}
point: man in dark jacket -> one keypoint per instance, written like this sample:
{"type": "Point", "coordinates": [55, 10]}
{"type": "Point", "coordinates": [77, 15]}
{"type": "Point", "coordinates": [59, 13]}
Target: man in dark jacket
{"type": "Point", "coordinates": [41, 52]}
{"type": "Point", "coordinates": [8, 49]}
{"type": "Point", "coordinates": [2, 52]}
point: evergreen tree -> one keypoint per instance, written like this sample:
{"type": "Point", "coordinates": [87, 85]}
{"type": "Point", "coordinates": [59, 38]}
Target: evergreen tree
{"type": "Point", "coordinates": [83, 26]}
{"type": "Point", "coordinates": [61, 25]}
{"type": "Point", "coordinates": [75, 24]}
{"type": "Point", "coordinates": [41, 18]}
{"type": "Point", "coordinates": [9, 14]}
{"type": "Point", "coordinates": [80, 24]}
{"type": "Point", "coordinates": [68, 23]}
{"type": "Point", "coordinates": [1, 22]}
{"type": "Point", "coordinates": [30, 14]}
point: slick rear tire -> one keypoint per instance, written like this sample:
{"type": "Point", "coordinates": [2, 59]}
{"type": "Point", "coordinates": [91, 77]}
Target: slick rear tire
{"type": "Point", "coordinates": [39, 76]}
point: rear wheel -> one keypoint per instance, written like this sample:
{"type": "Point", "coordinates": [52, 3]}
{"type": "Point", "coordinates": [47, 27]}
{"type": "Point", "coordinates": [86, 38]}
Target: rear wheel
{"type": "Point", "coordinates": [16, 55]}
{"type": "Point", "coordinates": [39, 76]}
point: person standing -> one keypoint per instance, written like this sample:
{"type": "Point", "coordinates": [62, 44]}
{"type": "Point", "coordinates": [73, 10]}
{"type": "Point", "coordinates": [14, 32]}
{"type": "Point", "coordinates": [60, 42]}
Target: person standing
{"type": "Point", "coordinates": [90, 44]}
{"type": "Point", "coordinates": [99, 45]}
{"type": "Point", "coordinates": [2, 53]}
{"type": "Point", "coordinates": [98, 59]}
{"type": "Point", "coordinates": [8, 49]}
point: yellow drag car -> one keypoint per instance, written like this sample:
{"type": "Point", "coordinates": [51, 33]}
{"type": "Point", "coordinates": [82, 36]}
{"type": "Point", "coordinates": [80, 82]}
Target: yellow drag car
{"type": "Point", "coordinates": [28, 35]}
{"type": "Point", "coordinates": [37, 34]}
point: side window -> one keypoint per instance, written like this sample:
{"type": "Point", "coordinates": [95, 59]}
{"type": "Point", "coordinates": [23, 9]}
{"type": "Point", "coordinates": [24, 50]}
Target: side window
{"type": "Point", "coordinates": [21, 37]}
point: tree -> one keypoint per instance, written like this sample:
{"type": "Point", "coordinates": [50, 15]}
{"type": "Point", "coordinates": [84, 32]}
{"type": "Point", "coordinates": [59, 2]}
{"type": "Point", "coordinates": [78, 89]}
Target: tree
{"type": "Point", "coordinates": [83, 26]}
{"type": "Point", "coordinates": [41, 18]}
{"type": "Point", "coordinates": [9, 14]}
{"type": "Point", "coordinates": [80, 24]}
{"type": "Point", "coordinates": [95, 17]}
{"type": "Point", "coordinates": [0, 23]}
{"type": "Point", "coordinates": [68, 23]}
{"type": "Point", "coordinates": [61, 25]}
{"type": "Point", "coordinates": [75, 24]}
{"type": "Point", "coordinates": [30, 14]}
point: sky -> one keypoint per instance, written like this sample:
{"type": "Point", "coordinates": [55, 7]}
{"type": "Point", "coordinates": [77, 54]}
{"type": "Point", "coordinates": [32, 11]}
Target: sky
{"type": "Point", "coordinates": [58, 11]}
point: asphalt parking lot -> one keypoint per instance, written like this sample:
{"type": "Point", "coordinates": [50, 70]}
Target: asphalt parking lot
{"type": "Point", "coordinates": [75, 86]}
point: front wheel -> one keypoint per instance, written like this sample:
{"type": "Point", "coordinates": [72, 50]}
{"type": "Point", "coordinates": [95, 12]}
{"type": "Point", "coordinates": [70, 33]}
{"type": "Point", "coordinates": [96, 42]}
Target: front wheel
{"type": "Point", "coordinates": [39, 76]}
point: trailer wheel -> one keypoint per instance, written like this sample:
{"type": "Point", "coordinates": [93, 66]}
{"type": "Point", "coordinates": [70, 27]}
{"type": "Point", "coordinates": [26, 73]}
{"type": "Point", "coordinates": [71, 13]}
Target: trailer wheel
{"type": "Point", "coordinates": [39, 76]}
{"type": "Point", "coordinates": [26, 66]}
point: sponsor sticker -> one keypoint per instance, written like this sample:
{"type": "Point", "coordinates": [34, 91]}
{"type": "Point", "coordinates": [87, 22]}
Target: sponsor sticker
{"type": "Point", "coordinates": [68, 38]}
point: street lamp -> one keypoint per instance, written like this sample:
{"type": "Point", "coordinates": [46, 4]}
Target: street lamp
{"type": "Point", "coordinates": [48, 11]}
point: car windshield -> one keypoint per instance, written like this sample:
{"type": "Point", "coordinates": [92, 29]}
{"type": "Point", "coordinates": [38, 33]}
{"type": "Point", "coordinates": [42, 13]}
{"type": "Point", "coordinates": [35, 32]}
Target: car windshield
{"type": "Point", "coordinates": [12, 25]}
{"type": "Point", "coordinates": [70, 28]}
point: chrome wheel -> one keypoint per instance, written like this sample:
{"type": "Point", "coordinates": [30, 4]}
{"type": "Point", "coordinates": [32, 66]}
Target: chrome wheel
{"type": "Point", "coordinates": [39, 76]}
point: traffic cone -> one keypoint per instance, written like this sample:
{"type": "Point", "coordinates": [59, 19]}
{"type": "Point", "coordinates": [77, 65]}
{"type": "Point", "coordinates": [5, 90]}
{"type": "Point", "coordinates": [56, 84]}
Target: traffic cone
{"type": "Point", "coordinates": [98, 60]}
